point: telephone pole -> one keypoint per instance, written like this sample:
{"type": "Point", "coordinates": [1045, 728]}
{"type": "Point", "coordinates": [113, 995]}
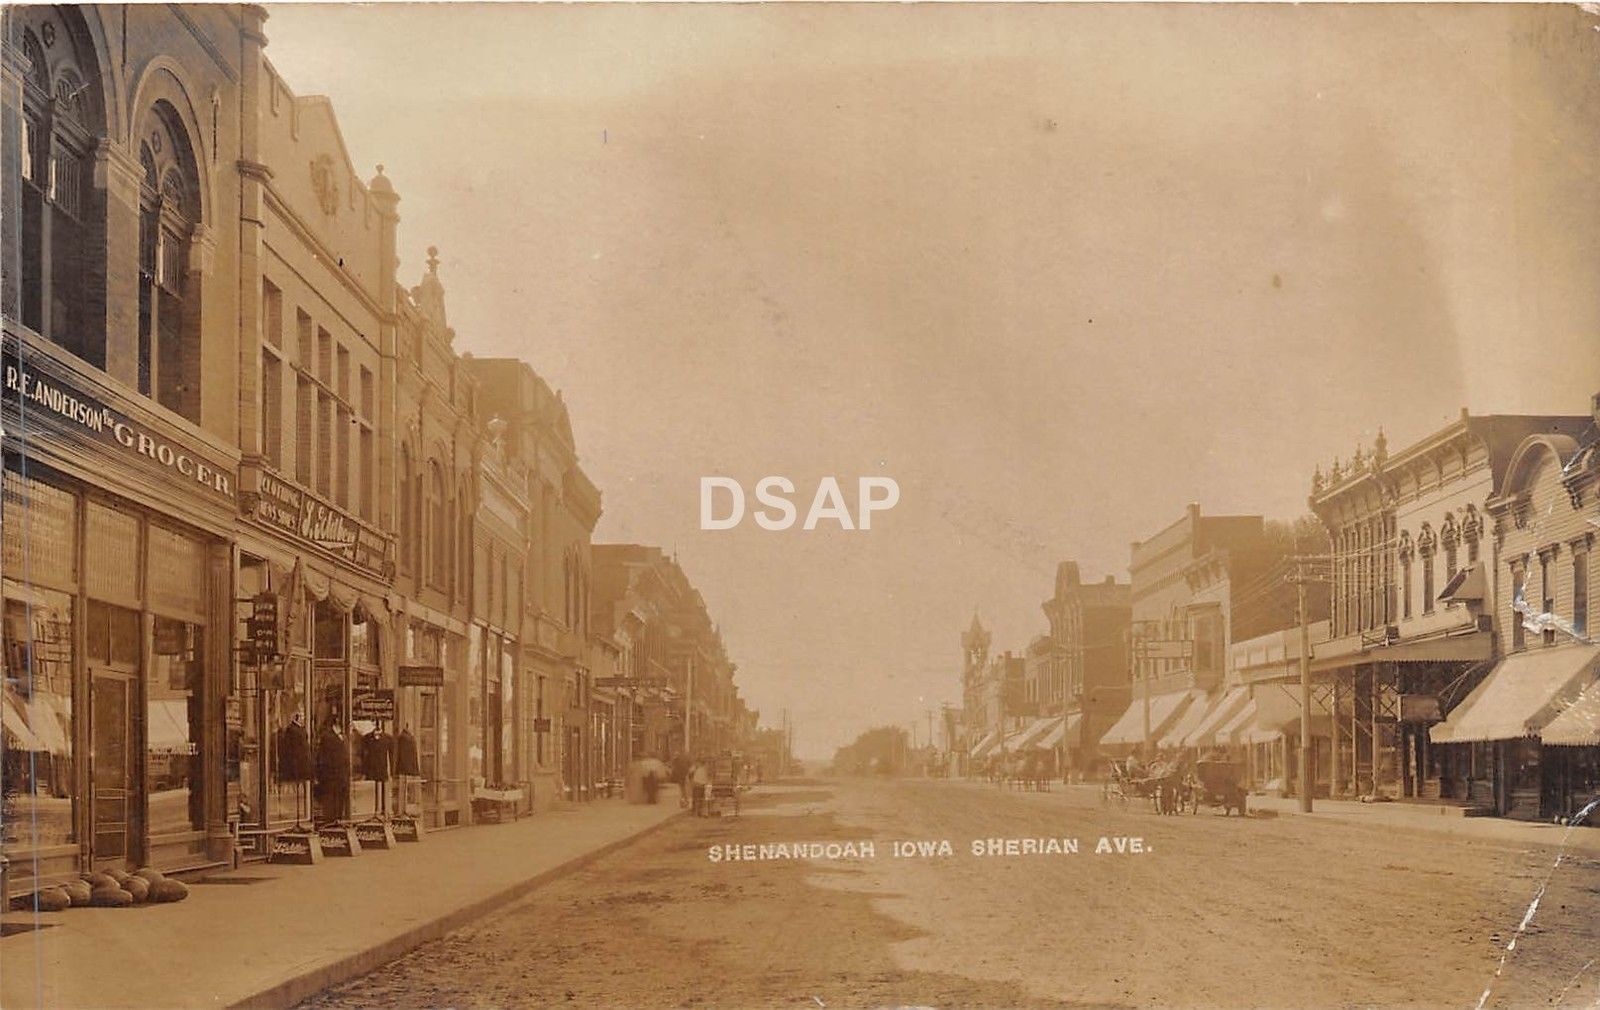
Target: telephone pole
{"type": "Point", "coordinates": [1299, 579]}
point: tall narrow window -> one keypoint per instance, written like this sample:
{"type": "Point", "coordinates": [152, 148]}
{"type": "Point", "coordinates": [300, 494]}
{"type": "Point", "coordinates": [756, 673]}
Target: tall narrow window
{"type": "Point", "coordinates": [271, 313]}
{"type": "Point", "coordinates": [368, 470]}
{"type": "Point", "coordinates": [343, 422]}
{"type": "Point", "coordinates": [1426, 543]}
{"type": "Point", "coordinates": [342, 373]}
{"type": "Point", "coordinates": [1547, 591]}
{"type": "Point", "coordinates": [325, 450]}
{"type": "Point", "coordinates": [408, 530]}
{"type": "Point", "coordinates": [60, 123]}
{"type": "Point", "coordinates": [271, 408]}
{"type": "Point", "coordinates": [1580, 590]}
{"type": "Point", "coordinates": [305, 346]}
{"type": "Point", "coordinates": [438, 528]}
{"type": "Point", "coordinates": [169, 323]}
{"type": "Point", "coordinates": [1519, 602]}
{"type": "Point", "coordinates": [305, 428]}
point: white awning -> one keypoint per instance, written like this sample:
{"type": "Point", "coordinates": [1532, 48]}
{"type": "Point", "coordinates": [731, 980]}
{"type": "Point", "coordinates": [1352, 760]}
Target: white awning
{"type": "Point", "coordinates": [1216, 716]}
{"type": "Point", "coordinates": [1191, 720]}
{"type": "Point", "coordinates": [1066, 725]}
{"type": "Point", "coordinates": [1277, 714]}
{"type": "Point", "coordinates": [986, 744]}
{"type": "Point", "coordinates": [1522, 694]}
{"type": "Point", "coordinates": [1579, 724]}
{"type": "Point", "coordinates": [1025, 737]}
{"type": "Point", "coordinates": [1164, 709]}
{"type": "Point", "coordinates": [1231, 730]}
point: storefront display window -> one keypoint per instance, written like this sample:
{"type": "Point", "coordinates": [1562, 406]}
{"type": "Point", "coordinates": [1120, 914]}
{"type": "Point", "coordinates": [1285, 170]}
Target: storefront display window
{"type": "Point", "coordinates": [286, 800]}
{"type": "Point", "coordinates": [173, 727]}
{"type": "Point", "coordinates": [449, 770]}
{"type": "Point", "coordinates": [508, 723]}
{"type": "Point", "coordinates": [38, 772]}
{"type": "Point", "coordinates": [475, 756]}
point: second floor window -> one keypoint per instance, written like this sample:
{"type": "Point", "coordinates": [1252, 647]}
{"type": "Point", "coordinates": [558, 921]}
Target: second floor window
{"type": "Point", "coordinates": [169, 214]}
{"type": "Point", "coordinates": [1580, 591]}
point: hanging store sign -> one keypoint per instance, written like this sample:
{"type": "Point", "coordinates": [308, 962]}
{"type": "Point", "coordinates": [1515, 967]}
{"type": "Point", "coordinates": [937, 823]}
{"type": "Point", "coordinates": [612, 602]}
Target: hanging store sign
{"type": "Point", "coordinates": [41, 400]}
{"type": "Point", "coordinates": [292, 509]}
{"type": "Point", "coordinates": [264, 628]}
{"type": "Point", "coordinates": [1420, 708]}
{"type": "Point", "coordinates": [375, 705]}
{"type": "Point", "coordinates": [421, 676]}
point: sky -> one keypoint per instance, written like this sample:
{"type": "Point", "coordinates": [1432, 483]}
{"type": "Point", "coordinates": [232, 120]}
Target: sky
{"type": "Point", "coordinates": [1057, 270]}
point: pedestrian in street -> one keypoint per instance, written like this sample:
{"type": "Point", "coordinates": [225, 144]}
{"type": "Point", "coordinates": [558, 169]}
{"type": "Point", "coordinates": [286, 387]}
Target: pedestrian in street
{"type": "Point", "coordinates": [700, 780]}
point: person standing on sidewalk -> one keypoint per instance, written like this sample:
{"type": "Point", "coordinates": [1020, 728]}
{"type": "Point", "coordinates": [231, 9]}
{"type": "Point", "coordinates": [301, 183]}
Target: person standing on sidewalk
{"type": "Point", "coordinates": [680, 775]}
{"type": "Point", "coordinates": [700, 779]}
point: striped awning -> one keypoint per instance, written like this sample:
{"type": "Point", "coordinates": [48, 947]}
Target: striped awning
{"type": "Point", "coordinates": [1579, 724]}
{"type": "Point", "coordinates": [1522, 695]}
{"type": "Point", "coordinates": [1217, 716]}
{"type": "Point", "coordinates": [1065, 726]}
{"type": "Point", "coordinates": [1164, 710]}
{"type": "Point", "coordinates": [985, 745]}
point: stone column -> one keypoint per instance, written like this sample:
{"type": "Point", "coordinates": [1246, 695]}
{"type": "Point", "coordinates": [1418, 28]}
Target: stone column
{"type": "Point", "coordinates": [115, 205]}
{"type": "Point", "coordinates": [217, 684]}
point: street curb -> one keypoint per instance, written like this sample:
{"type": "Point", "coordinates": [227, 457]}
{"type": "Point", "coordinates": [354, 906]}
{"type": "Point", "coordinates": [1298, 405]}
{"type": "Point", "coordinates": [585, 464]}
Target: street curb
{"type": "Point", "coordinates": [291, 991]}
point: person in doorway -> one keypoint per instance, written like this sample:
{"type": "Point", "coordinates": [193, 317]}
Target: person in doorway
{"type": "Point", "coordinates": [700, 780]}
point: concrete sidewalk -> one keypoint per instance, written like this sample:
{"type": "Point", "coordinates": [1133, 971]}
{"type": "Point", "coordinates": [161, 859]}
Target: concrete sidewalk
{"type": "Point", "coordinates": [1438, 818]}
{"type": "Point", "coordinates": [1408, 817]}
{"type": "Point", "coordinates": [281, 933]}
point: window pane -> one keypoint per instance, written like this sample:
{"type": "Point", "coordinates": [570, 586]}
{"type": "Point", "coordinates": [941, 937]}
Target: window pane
{"type": "Point", "coordinates": [40, 532]}
{"type": "Point", "coordinates": [173, 728]}
{"type": "Point", "coordinates": [124, 636]}
{"type": "Point", "coordinates": [113, 542]}
{"type": "Point", "coordinates": [38, 771]}
{"type": "Point", "coordinates": [177, 572]}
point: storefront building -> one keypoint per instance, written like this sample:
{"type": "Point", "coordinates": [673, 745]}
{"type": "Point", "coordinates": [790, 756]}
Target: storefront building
{"type": "Point", "coordinates": [120, 467]}
{"type": "Point", "coordinates": [1089, 634]}
{"type": "Point", "coordinates": [501, 724]}
{"type": "Point", "coordinates": [1189, 595]}
{"type": "Point", "coordinates": [1412, 615]}
{"type": "Point", "coordinates": [436, 499]}
{"type": "Point", "coordinates": [555, 638]}
{"type": "Point", "coordinates": [316, 548]}
{"type": "Point", "coordinates": [1529, 732]}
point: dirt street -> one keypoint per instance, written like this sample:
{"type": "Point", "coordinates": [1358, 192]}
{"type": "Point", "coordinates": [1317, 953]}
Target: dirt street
{"type": "Point", "coordinates": [1215, 912]}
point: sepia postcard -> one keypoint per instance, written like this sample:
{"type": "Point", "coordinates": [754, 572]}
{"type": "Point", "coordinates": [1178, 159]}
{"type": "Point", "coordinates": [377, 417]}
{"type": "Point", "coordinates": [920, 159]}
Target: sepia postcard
{"type": "Point", "coordinates": [800, 505]}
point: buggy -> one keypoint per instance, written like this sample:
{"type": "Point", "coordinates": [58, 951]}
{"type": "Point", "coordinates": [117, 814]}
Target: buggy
{"type": "Point", "coordinates": [1216, 784]}
{"type": "Point", "coordinates": [726, 783]}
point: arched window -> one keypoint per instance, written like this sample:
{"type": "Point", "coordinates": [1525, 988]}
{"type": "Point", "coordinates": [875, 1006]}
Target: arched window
{"type": "Point", "coordinates": [62, 121]}
{"type": "Point", "coordinates": [169, 213]}
{"type": "Point", "coordinates": [1406, 553]}
{"type": "Point", "coordinates": [408, 522]}
{"type": "Point", "coordinates": [1450, 538]}
{"type": "Point", "coordinates": [439, 533]}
